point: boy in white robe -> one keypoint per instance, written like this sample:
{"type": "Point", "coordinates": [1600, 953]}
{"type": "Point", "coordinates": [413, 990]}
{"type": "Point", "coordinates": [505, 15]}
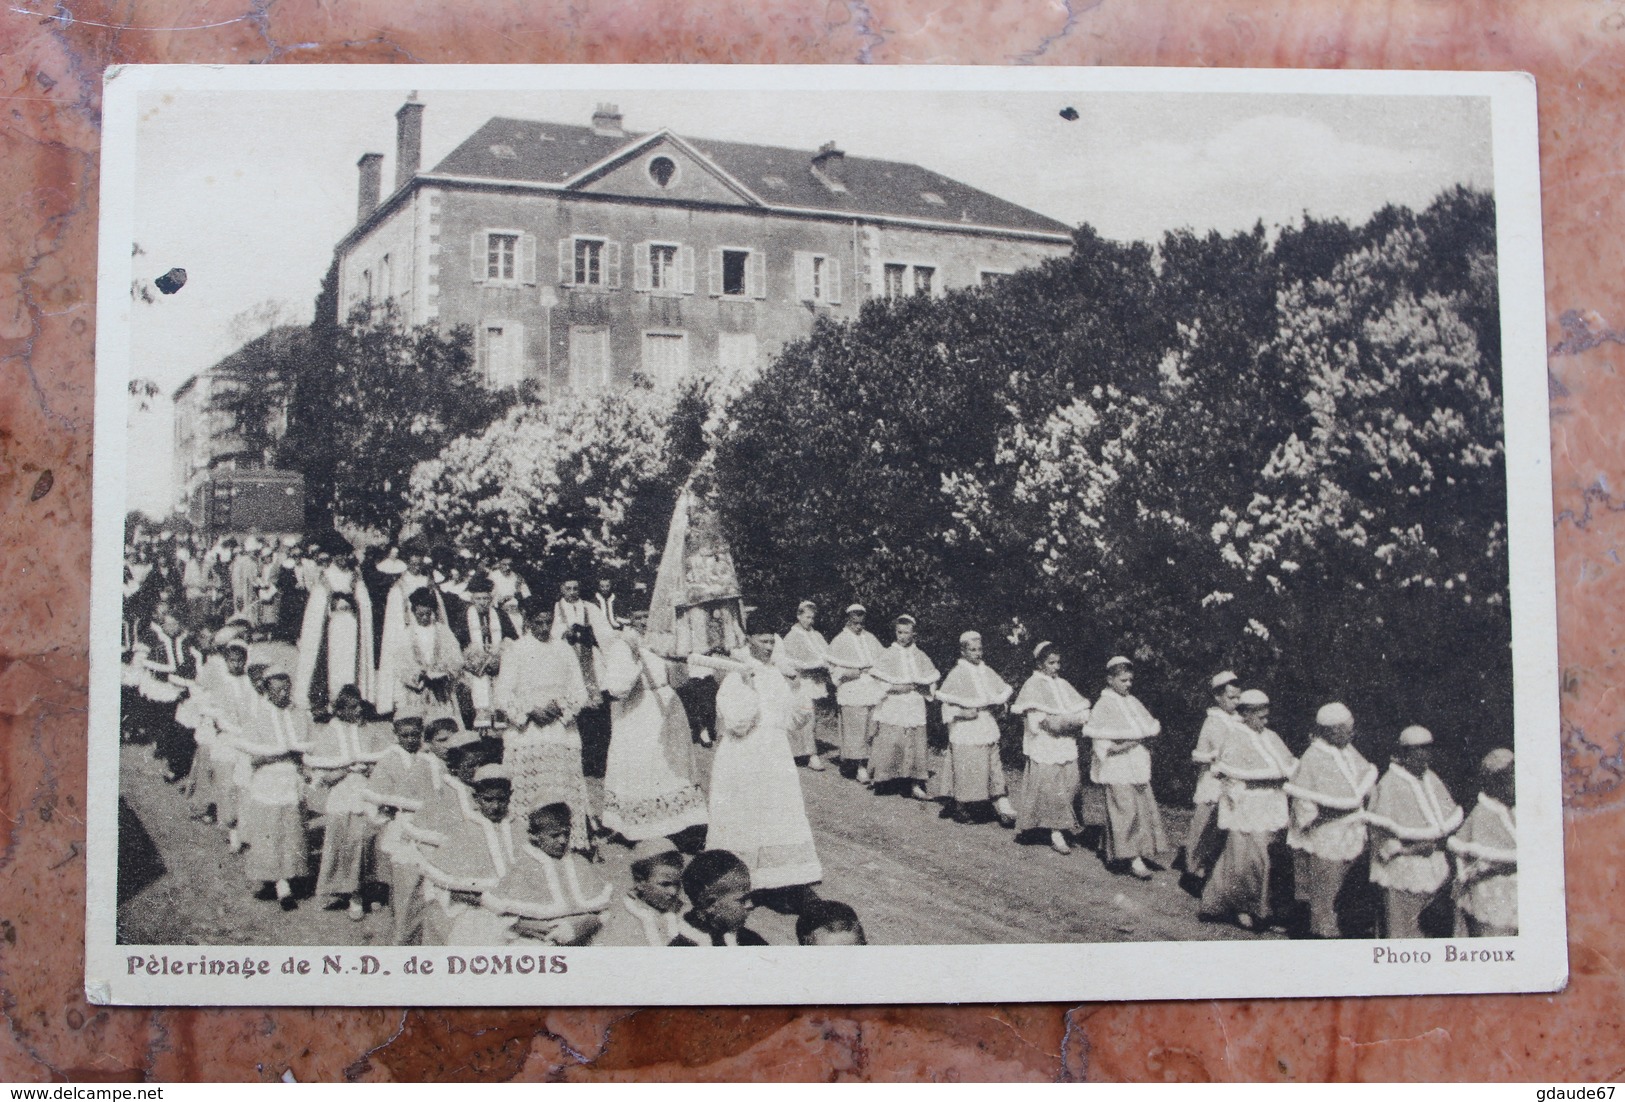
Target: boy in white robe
{"type": "Point", "coordinates": [1486, 850]}
{"type": "Point", "coordinates": [398, 788]}
{"type": "Point", "coordinates": [341, 761]}
{"type": "Point", "coordinates": [549, 895]}
{"type": "Point", "coordinates": [1117, 729]}
{"type": "Point", "coordinates": [650, 915]}
{"type": "Point", "coordinates": [472, 860]}
{"type": "Point", "coordinates": [1253, 765]}
{"type": "Point", "coordinates": [899, 752]}
{"type": "Point", "coordinates": [829, 922]}
{"type": "Point", "coordinates": [1411, 815]}
{"type": "Point", "coordinates": [1327, 834]}
{"type": "Point", "coordinates": [804, 650]}
{"type": "Point", "coordinates": [972, 696]}
{"type": "Point", "coordinates": [718, 885]}
{"type": "Point", "coordinates": [272, 820]}
{"type": "Point", "coordinates": [1205, 839]}
{"type": "Point", "coordinates": [1052, 713]}
{"type": "Point", "coordinates": [852, 654]}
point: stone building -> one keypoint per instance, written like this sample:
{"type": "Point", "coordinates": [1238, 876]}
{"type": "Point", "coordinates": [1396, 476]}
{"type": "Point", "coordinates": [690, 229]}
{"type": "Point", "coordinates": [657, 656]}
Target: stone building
{"type": "Point", "coordinates": [582, 254]}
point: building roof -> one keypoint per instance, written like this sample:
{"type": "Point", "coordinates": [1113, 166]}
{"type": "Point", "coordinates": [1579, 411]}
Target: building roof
{"type": "Point", "coordinates": [529, 151]}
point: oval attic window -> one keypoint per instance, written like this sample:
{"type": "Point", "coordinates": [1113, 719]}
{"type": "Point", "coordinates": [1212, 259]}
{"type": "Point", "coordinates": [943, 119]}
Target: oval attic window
{"type": "Point", "coordinates": [661, 170]}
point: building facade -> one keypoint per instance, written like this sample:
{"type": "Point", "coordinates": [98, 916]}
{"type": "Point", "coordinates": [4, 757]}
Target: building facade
{"type": "Point", "coordinates": [213, 459]}
{"type": "Point", "coordinates": [580, 255]}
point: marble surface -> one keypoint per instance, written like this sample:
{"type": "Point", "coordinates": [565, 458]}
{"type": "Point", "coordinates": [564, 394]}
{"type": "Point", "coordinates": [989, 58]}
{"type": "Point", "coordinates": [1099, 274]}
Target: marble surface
{"type": "Point", "coordinates": [51, 56]}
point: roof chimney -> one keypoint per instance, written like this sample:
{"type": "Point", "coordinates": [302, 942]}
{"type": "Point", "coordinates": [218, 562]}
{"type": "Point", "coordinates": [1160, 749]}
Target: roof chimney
{"type": "Point", "coordinates": [371, 184]}
{"type": "Point", "coordinates": [827, 164]}
{"type": "Point", "coordinates": [408, 140]}
{"type": "Point", "coordinates": [606, 121]}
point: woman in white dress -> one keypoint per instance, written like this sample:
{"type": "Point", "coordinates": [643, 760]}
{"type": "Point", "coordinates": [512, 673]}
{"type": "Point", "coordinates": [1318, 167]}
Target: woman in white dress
{"type": "Point", "coordinates": [650, 788]}
{"type": "Point", "coordinates": [758, 811]}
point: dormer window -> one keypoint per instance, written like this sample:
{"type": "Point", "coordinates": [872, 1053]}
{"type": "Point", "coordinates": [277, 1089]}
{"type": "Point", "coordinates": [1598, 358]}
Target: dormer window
{"type": "Point", "coordinates": [504, 152]}
{"type": "Point", "coordinates": [662, 170]}
{"type": "Point", "coordinates": [774, 181]}
{"type": "Point", "coordinates": [933, 198]}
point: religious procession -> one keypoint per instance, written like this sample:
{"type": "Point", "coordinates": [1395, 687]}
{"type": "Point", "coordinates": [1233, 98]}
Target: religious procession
{"type": "Point", "coordinates": [406, 735]}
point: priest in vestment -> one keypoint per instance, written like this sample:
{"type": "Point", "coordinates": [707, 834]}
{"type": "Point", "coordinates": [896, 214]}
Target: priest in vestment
{"type": "Point", "coordinates": [1411, 815]}
{"type": "Point", "coordinates": [1327, 834]}
{"type": "Point", "coordinates": [651, 787]}
{"type": "Point", "coordinates": [335, 639]}
{"type": "Point", "coordinates": [425, 663]}
{"type": "Point", "coordinates": [758, 812]}
{"type": "Point", "coordinates": [482, 648]}
{"type": "Point", "coordinates": [1052, 713]}
{"type": "Point", "coordinates": [1486, 849]}
{"type": "Point", "coordinates": [1253, 766]}
{"type": "Point", "coordinates": [853, 652]}
{"type": "Point", "coordinates": [540, 691]}
{"type": "Point", "coordinates": [1117, 729]}
{"type": "Point", "coordinates": [972, 695]}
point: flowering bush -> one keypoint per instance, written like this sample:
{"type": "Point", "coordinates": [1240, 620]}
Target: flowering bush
{"type": "Point", "coordinates": [585, 483]}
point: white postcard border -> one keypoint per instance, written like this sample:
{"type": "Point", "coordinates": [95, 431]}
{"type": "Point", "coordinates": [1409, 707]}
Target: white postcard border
{"type": "Point", "coordinates": [1536, 960]}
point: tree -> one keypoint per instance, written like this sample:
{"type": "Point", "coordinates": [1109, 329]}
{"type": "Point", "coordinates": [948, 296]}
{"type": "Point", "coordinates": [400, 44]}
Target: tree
{"type": "Point", "coordinates": [1225, 451]}
{"type": "Point", "coordinates": [382, 399]}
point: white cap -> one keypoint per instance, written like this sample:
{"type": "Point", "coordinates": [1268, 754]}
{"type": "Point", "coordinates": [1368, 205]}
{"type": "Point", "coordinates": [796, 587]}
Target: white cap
{"type": "Point", "coordinates": [1118, 660]}
{"type": "Point", "coordinates": [1220, 680]}
{"type": "Point", "coordinates": [1333, 715]}
{"type": "Point", "coordinates": [491, 772]}
{"type": "Point", "coordinates": [855, 607]}
{"type": "Point", "coordinates": [1416, 736]}
{"type": "Point", "coordinates": [1254, 698]}
{"type": "Point", "coordinates": [1039, 650]}
{"type": "Point", "coordinates": [1498, 760]}
{"type": "Point", "coordinates": [970, 637]}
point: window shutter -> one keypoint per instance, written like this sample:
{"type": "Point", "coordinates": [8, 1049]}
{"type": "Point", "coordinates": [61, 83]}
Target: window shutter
{"type": "Point", "coordinates": [567, 261]}
{"type": "Point", "coordinates": [612, 264]}
{"type": "Point", "coordinates": [518, 362]}
{"type": "Point", "coordinates": [527, 259]}
{"type": "Point", "coordinates": [482, 352]}
{"type": "Point", "coordinates": [476, 256]}
{"type": "Point", "coordinates": [642, 278]}
{"type": "Point", "coordinates": [685, 266]}
{"type": "Point", "coordinates": [756, 275]}
{"type": "Point", "coordinates": [804, 277]}
{"type": "Point", "coordinates": [716, 273]}
{"type": "Point", "coordinates": [832, 281]}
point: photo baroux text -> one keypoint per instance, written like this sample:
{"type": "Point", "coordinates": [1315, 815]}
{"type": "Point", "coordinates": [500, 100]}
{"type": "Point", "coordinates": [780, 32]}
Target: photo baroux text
{"type": "Point", "coordinates": [961, 535]}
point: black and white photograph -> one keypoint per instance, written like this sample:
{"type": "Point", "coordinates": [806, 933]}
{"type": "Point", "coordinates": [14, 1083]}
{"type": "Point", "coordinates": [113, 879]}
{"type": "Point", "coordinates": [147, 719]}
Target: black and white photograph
{"type": "Point", "coordinates": [955, 534]}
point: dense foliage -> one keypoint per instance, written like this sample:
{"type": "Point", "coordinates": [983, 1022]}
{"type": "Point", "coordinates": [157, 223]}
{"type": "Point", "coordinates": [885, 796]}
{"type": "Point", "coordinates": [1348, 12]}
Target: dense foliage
{"type": "Point", "coordinates": [1282, 456]}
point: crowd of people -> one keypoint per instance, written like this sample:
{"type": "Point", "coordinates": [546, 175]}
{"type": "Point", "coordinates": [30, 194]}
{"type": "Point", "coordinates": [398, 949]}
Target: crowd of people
{"type": "Point", "coordinates": [475, 822]}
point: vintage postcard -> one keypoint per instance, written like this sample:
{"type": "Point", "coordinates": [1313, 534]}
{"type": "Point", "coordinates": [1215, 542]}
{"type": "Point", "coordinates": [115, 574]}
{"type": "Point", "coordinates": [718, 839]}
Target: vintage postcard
{"type": "Point", "coordinates": [914, 535]}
